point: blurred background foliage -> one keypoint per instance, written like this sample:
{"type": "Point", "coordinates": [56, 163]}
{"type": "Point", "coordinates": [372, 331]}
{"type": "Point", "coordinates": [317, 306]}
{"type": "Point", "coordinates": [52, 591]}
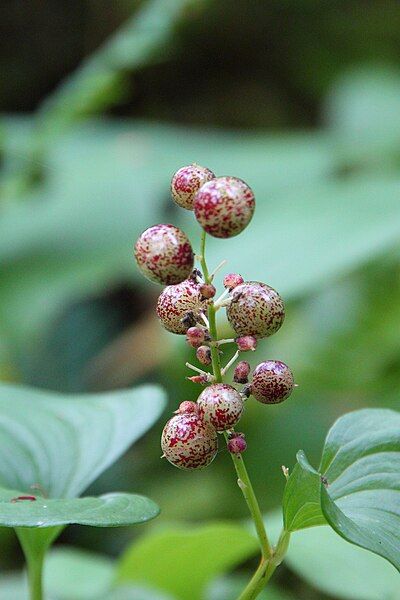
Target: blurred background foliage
{"type": "Point", "coordinates": [101, 103]}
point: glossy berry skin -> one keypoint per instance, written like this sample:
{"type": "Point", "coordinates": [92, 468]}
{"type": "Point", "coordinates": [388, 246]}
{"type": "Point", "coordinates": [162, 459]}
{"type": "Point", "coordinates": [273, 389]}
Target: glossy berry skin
{"type": "Point", "coordinates": [272, 382]}
{"type": "Point", "coordinates": [231, 280]}
{"type": "Point", "coordinates": [256, 309]}
{"type": "Point", "coordinates": [246, 343]}
{"type": "Point", "coordinates": [186, 407]}
{"type": "Point", "coordinates": [195, 336]}
{"type": "Point", "coordinates": [203, 354]}
{"type": "Point", "coordinates": [237, 444]}
{"type": "Point", "coordinates": [186, 183]}
{"type": "Point", "coordinates": [188, 442]}
{"type": "Point", "coordinates": [175, 302]}
{"type": "Point", "coordinates": [241, 373]}
{"type": "Point", "coordinates": [164, 254]}
{"type": "Point", "coordinates": [224, 206]}
{"type": "Point", "coordinates": [221, 405]}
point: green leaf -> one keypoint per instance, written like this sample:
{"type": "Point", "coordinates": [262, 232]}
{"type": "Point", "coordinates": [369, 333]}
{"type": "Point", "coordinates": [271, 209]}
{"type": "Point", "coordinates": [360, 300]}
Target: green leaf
{"type": "Point", "coordinates": [61, 444]}
{"type": "Point", "coordinates": [186, 558]}
{"type": "Point", "coordinates": [108, 510]}
{"type": "Point", "coordinates": [339, 569]}
{"type": "Point", "coordinates": [359, 483]}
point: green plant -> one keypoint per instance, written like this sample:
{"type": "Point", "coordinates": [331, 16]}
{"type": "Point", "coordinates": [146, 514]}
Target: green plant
{"type": "Point", "coordinates": [357, 485]}
{"type": "Point", "coordinates": [52, 448]}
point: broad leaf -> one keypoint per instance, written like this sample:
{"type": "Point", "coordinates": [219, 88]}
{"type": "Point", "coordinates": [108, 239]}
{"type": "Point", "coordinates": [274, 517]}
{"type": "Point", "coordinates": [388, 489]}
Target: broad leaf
{"type": "Point", "coordinates": [358, 483]}
{"type": "Point", "coordinates": [186, 558]}
{"type": "Point", "coordinates": [60, 444]}
{"type": "Point", "coordinates": [108, 510]}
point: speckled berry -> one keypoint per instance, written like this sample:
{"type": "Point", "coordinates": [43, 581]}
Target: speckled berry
{"type": "Point", "coordinates": [186, 183]}
{"type": "Point", "coordinates": [246, 343]}
{"type": "Point", "coordinates": [221, 405]}
{"type": "Point", "coordinates": [237, 443]}
{"type": "Point", "coordinates": [224, 206]}
{"type": "Point", "coordinates": [188, 442]}
{"type": "Point", "coordinates": [186, 407]}
{"type": "Point", "coordinates": [195, 336]}
{"type": "Point", "coordinates": [272, 382]}
{"type": "Point", "coordinates": [232, 280]}
{"type": "Point", "coordinates": [164, 254]}
{"type": "Point", "coordinates": [256, 309]}
{"type": "Point", "coordinates": [176, 302]}
{"type": "Point", "coordinates": [203, 354]}
{"type": "Point", "coordinates": [241, 373]}
{"type": "Point", "coordinates": [207, 291]}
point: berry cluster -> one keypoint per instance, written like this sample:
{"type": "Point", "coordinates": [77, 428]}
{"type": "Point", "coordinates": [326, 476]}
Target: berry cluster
{"type": "Point", "coordinates": [223, 206]}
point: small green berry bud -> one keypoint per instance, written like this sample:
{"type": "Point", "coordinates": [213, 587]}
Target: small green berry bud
{"type": "Point", "coordinates": [203, 354]}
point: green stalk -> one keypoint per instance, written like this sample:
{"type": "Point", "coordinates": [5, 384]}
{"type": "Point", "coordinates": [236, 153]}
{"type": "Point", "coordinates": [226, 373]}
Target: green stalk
{"type": "Point", "coordinates": [270, 558]}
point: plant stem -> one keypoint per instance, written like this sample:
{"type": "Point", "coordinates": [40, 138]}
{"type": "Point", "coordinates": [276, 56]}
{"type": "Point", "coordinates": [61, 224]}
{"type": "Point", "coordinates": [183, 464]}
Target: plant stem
{"type": "Point", "coordinates": [269, 557]}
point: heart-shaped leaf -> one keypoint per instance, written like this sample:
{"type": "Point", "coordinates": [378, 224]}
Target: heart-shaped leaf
{"type": "Point", "coordinates": [109, 510]}
{"type": "Point", "coordinates": [60, 444]}
{"type": "Point", "coordinates": [357, 487]}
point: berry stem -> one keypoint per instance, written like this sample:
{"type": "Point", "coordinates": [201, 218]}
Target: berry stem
{"type": "Point", "coordinates": [267, 566]}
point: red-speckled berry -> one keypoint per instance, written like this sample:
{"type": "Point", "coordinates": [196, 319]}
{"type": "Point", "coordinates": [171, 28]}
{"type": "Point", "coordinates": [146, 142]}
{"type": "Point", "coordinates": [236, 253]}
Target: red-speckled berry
{"type": "Point", "coordinates": [164, 254]}
{"type": "Point", "coordinates": [241, 373]}
{"type": "Point", "coordinates": [207, 290]}
{"type": "Point", "coordinates": [176, 302]}
{"type": "Point", "coordinates": [232, 280]}
{"type": "Point", "coordinates": [246, 343]}
{"type": "Point", "coordinates": [203, 354]}
{"type": "Point", "coordinates": [221, 405]}
{"type": "Point", "coordinates": [256, 309]}
{"type": "Point", "coordinates": [188, 442]}
{"type": "Point", "coordinates": [237, 443]}
{"type": "Point", "coordinates": [195, 336]}
{"type": "Point", "coordinates": [186, 183]}
{"type": "Point", "coordinates": [224, 206]}
{"type": "Point", "coordinates": [186, 407]}
{"type": "Point", "coordinates": [272, 382]}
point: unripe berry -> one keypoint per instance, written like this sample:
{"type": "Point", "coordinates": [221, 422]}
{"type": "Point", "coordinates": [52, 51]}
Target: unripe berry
{"type": "Point", "coordinates": [203, 354]}
{"type": "Point", "coordinates": [207, 291]}
{"type": "Point", "coordinates": [237, 444]}
{"type": "Point", "coordinates": [256, 309]}
{"type": "Point", "coordinates": [246, 343]}
{"type": "Point", "coordinates": [188, 442]}
{"type": "Point", "coordinates": [176, 302]}
{"type": "Point", "coordinates": [186, 407]}
{"type": "Point", "coordinates": [232, 280]}
{"type": "Point", "coordinates": [224, 206]}
{"type": "Point", "coordinates": [186, 182]}
{"type": "Point", "coordinates": [272, 382]}
{"type": "Point", "coordinates": [164, 254]}
{"type": "Point", "coordinates": [221, 405]}
{"type": "Point", "coordinates": [195, 336]}
{"type": "Point", "coordinates": [241, 373]}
